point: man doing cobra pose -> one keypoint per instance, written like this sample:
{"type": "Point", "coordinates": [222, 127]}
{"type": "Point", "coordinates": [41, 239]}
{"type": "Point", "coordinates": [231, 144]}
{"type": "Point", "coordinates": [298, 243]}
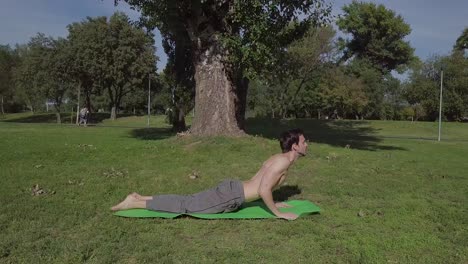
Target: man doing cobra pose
{"type": "Point", "coordinates": [230, 194]}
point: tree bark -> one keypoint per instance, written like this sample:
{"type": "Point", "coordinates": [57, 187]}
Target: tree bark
{"type": "Point", "coordinates": [59, 119]}
{"type": "Point", "coordinates": [219, 101]}
{"type": "Point", "coordinates": [113, 113]}
{"type": "Point", "coordinates": [88, 100]}
{"type": "Point", "coordinates": [57, 113]}
{"type": "Point", "coordinates": [241, 103]}
{"type": "Point", "coordinates": [3, 112]}
{"type": "Point", "coordinates": [178, 123]}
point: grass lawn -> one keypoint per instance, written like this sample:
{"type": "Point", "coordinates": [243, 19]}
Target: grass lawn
{"type": "Point", "coordinates": [386, 198]}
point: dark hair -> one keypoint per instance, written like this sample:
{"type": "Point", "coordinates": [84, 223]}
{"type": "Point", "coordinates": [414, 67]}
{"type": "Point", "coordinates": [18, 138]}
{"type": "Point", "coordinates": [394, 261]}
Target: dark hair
{"type": "Point", "coordinates": [288, 138]}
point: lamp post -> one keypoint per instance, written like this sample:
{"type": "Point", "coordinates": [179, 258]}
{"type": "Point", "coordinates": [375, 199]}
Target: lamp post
{"type": "Point", "coordinates": [440, 101]}
{"type": "Point", "coordinates": [149, 99]}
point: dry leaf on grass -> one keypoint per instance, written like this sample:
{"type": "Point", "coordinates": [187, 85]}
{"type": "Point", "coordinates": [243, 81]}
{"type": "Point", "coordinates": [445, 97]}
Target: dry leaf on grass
{"type": "Point", "coordinates": [194, 175]}
{"type": "Point", "coordinates": [36, 191]}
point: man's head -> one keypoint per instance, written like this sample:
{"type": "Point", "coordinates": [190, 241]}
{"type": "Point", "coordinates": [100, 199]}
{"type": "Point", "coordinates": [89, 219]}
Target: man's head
{"type": "Point", "coordinates": [293, 140]}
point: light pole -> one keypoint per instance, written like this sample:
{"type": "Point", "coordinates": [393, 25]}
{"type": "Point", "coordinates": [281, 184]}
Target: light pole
{"type": "Point", "coordinates": [149, 98]}
{"type": "Point", "coordinates": [440, 101]}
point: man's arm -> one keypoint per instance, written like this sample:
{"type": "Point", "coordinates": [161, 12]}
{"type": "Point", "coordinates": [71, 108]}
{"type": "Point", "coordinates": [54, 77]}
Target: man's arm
{"type": "Point", "coordinates": [268, 182]}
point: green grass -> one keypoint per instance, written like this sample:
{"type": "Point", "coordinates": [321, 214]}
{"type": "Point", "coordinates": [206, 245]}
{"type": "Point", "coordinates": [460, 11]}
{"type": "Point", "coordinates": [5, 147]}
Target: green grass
{"type": "Point", "coordinates": [411, 194]}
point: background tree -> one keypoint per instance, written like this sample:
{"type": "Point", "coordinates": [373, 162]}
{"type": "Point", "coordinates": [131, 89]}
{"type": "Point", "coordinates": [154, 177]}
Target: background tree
{"type": "Point", "coordinates": [229, 40]}
{"type": "Point", "coordinates": [393, 101]}
{"type": "Point", "coordinates": [31, 74]}
{"type": "Point", "coordinates": [423, 87]}
{"type": "Point", "coordinates": [43, 74]}
{"type": "Point", "coordinates": [456, 85]}
{"type": "Point", "coordinates": [291, 86]}
{"type": "Point", "coordinates": [131, 59]}
{"type": "Point", "coordinates": [375, 48]}
{"type": "Point", "coordinates": [376, 35]}
{"type": "Point", "coordinates": [422, 90]}
{"type": "Point", "coordinates": [343, 96]}
{"type": "Point", "coordinates": [8, 61]}
{"type": "Point", "coordinates": [179, 76]}
{"type": "Point", "coordinates": [112, 55]}
{"type": "Point", "coordinates": [87, 43]}
{"type": "Point", "coordinates": [462, 41]}
{"type": "Point", "coordinates": [57, 62]}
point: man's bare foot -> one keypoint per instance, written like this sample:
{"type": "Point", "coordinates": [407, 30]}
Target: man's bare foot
{"type": "Point", "coordinates": [125, 204]}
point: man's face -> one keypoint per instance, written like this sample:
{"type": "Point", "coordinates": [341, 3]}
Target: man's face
{"type": "Point", "coordinates": [302, 146]}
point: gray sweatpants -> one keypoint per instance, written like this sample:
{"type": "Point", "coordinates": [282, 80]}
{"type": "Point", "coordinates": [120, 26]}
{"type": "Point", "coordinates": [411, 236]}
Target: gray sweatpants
{"type": "Point", "coordinates": [228, 196]}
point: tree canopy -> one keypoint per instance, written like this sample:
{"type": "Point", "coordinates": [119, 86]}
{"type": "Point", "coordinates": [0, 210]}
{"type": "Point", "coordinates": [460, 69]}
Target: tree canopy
{"type": "Point", "coordinates": [377, 35]}
{"type": "Point", "coordinates": [462, 41]}
{"type": "Point", "coordinates": [113, 55]}
{"type": "Point", "coordinates": [232, 40]}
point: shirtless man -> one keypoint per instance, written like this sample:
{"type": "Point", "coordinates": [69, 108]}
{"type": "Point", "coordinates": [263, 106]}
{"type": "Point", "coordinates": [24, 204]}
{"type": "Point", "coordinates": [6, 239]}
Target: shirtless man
{"type": "Point", "coordinates": [230, 194]}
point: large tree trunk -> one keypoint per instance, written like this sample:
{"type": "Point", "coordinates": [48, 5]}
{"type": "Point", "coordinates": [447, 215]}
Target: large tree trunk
{"type": "Point", "coordinates": [57, 113]}
{"type": "Point", "coordinates": [3, 112]}
{"type": "Point", "coordinates": [241, 103]}
{"type": "Point", "coordinates": [88, 100]}
{"type": "Point", "coordinates": [178, 123]}
{"type": "Point", "coordinates": [59, 119]}
{"type": "Point", "coordinates": [113, 112]}
{"type": "Point", "coordinates": [219, 101]}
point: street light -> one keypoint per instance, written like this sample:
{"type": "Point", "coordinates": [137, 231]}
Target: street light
{"type": "Point", "coordinates": [149, 98]}
{"type": "Point", "coordinates": [440, 100]}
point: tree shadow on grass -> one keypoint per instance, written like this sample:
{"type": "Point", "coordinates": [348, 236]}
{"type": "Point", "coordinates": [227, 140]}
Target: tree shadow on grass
{"type": "Point", "coordinates": [285, 191]}
{"type": "Point", "coordinates": [41, 118]}
{"type": "Point", "coordinates": [340, 133]}
{"type": "Point", "coordinates": [66, 118]}
{"type": "Point", "coordinates": [152, 133]}
{"type": "Point", "coordinates": [279, 195]}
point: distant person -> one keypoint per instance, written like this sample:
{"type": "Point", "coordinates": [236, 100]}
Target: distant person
{"type": "Point", "coordinates": [229, 195]}
{"type": "Point", "coordinates": [84, 114]}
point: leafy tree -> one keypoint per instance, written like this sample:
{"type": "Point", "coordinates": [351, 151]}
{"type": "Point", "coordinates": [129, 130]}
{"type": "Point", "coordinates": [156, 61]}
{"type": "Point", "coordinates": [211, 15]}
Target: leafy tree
{"type": "Point", "coordinates": [112, 55]}
{"type": "Point", "coordinates": [376, 35]}
{"type": "Point", "coordinates": [58, 60]}
{"type": "Point", "coordinates": [31, 74]}
{"type": "Point", "coordinates": [456, 85]}
{"type": "Point", "coordinates": [374, 86]}
{"type": "Point", "coordinates": [343, 96]}
{"type": "Point", "coordinates": [424, 86]}
{"type": "Point", "coordinates": [421, 87]}
{"type": "Point", "coordinates": [131, 59]}
{"type": "Point", "coordinates": [179, 76]}
{"type": "Point", "coordinates": [8, 61]}
{"type": "Point", "coordinates": [291, 88]}
{"type": "Point", "coordinates": [88, 43]}
{"type": "Point", "coordinates": [229, 41]}
{"type": "Point", "coordinates": [462, 41]}
{"type": "Point", "coordinates": [393, 101]}
{"type": "Point", "coordinates": [303, 63]}
{"type": "Point", "coordinates": [44, 71]}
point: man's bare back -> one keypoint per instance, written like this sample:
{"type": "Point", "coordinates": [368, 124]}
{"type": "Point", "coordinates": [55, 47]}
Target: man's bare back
{"type": "Point", "coordinates": [251, 186]}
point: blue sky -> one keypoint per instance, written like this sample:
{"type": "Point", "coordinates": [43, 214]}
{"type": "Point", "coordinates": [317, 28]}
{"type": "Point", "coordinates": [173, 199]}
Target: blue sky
{"type": "Point", "coordinates": [435, 24]}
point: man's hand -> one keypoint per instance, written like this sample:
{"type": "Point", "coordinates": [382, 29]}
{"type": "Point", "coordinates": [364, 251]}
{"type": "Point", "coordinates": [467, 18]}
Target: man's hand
{"type": "Point", "coordinates": [282, 205]}
{"type": "Point", "coordinates": [288, 216]}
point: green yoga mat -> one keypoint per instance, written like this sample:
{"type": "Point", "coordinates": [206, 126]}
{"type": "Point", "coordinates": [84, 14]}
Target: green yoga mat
{"type": "Point", "coordinates": [250, 210]}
